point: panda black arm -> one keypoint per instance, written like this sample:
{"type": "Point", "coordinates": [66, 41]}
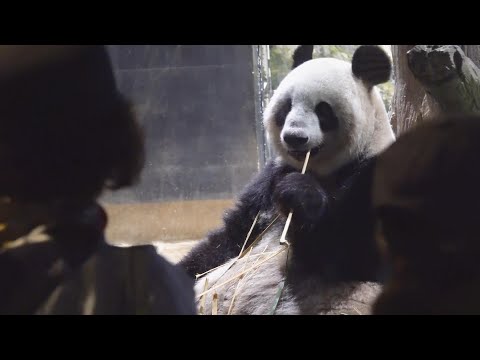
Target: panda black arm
{"type": "Point", "coordinates": [225, 243]}
{"type": "Point", "coordinates": [336, 239]}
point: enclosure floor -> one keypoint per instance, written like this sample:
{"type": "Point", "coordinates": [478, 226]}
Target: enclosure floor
{"type": "Point", "coordinates": [170, 226]}
{"type": "Point", "coordinates": [174, 251]}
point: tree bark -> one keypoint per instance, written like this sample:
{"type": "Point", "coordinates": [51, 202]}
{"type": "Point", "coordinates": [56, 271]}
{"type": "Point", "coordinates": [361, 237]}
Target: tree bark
{"type": "Point", "coordinates": [430, 80]}
{"type": "Point", "coordinates": [448, 75]}
{"type": "Point", "coordinates": [473, 52]}
{"type": "Point", "coordinates": [411, 104]}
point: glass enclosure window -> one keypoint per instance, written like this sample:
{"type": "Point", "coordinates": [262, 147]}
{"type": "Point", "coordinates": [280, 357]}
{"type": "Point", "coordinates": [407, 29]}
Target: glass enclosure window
{"type": "Point", "coordinates": [197, 105]}
{"type": "Point", "coordinates": [201, 109]}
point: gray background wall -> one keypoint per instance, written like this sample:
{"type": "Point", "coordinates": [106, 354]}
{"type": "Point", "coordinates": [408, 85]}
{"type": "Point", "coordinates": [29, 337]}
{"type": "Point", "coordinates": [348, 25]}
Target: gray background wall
{"type": "Point", "coordinates": [197, 105]}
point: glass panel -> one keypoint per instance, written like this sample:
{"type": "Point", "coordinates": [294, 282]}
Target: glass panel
{"type": "Point", "coordinates": [197, 104]}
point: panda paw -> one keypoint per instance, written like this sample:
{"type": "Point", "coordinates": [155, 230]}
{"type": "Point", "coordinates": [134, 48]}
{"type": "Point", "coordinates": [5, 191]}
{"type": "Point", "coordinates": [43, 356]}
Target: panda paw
{"type": "Point", "coordinates": [303, 195]}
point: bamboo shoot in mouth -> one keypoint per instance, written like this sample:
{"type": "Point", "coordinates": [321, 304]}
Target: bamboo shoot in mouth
{"type": "Point", "coordinates": [289, 218]}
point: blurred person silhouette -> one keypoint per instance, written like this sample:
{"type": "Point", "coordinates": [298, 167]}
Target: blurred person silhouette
{"type": "Point", "coordinates": [427, 199]}
{"type": "Point", "coordinates": [66, 135]}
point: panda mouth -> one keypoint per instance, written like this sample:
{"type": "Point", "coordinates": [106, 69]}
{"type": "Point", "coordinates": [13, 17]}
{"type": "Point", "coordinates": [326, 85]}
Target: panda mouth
{"type": "Point", "coordinates": [300, 154]}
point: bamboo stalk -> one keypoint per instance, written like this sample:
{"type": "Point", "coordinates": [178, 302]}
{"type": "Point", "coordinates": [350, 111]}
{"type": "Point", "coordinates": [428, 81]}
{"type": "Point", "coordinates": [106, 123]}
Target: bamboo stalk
{"type": "Point", "coordinates": [249, 233]}
{"type": "Point", "coordinates": [239, 255]}
{"type": "Point", "coordinates": [289, 218]}
{"type": "Point", "coordinates": [260, 236]}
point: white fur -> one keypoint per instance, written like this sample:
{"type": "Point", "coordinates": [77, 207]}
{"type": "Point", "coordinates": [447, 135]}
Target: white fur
{"type": "Point", "coordinates": [364, 126]}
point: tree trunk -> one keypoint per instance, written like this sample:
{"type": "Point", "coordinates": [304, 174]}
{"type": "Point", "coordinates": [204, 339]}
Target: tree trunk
{"type": "Point", "coordinates": [473, 52]}
{"type": "Point", "coordinates": [448, 75]}
{"type": "Point", "coordinates": [432, 79]}
{"type": "Point", "coordinates": [410, 104]}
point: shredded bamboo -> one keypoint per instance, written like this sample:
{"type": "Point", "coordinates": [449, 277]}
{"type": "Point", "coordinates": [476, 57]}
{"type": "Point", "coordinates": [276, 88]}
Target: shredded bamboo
{"type": "Point", "coordinates": [239, 281]}
{"type": "Point", "coordinates": [240, 274]}
{"type": "Point", "coordinates": [215, 304]}
{"type": "Point", "coordinates": [201, 310]}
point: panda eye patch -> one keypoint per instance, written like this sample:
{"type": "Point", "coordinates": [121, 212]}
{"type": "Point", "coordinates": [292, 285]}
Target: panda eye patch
{"type": "Point", "coordinates": [326, 117]}
{"type": "Point", "coordinates": [283, 112]}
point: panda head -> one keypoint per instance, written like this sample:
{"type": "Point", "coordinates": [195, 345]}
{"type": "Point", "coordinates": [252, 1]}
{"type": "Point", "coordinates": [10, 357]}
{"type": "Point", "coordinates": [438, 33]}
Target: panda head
{"type": "Point", "coordinates": [330, 107]}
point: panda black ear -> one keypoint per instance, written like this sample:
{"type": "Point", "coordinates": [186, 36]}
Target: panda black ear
{"type": "Point", "coordinates": [301, 54]}
{"type": "Point", "coordinates": [371, 64]}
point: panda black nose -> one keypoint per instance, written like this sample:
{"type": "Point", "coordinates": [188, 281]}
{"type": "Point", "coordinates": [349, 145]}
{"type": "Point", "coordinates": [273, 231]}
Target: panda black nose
{"type": "Point", "coordinates": [295, 140]}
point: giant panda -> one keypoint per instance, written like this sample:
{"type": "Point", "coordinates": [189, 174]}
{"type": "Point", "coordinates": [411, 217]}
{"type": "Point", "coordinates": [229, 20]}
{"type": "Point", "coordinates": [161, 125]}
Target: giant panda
{"type": "Point", "coordinates": [330, 263]}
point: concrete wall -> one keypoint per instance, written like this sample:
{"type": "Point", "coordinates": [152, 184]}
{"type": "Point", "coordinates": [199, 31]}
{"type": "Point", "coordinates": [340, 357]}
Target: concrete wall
{"type": "Point", "coordinates": [197, 104]}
